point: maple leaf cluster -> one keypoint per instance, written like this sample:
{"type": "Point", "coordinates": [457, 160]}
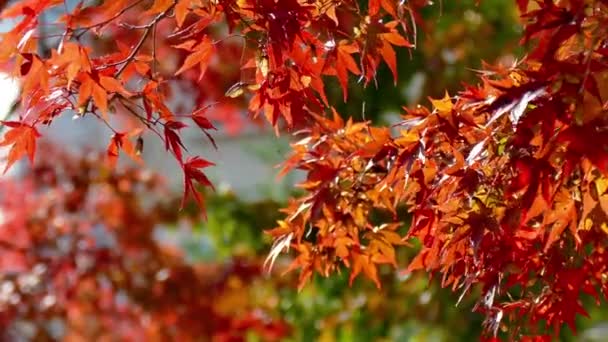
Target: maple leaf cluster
{"type": "Point", "coordinates": [505, 182]}
{"type": "Point", "coordinates": [121, 60]}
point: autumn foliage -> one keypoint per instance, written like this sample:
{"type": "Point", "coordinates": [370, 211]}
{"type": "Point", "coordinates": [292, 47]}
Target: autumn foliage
{"type": "Point", "coordinates": [505, 182]}
{"type": "Point", "coordinates": [80, 260]}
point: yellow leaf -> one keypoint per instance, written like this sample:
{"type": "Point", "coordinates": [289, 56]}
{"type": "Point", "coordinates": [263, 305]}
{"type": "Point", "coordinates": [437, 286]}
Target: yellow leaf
{"type": "Point", "coordinates": [601, 185]}
{"type": "Point", "coordinates": [407, 138]}
{"type": "Point", "coordinates": [444, 104]}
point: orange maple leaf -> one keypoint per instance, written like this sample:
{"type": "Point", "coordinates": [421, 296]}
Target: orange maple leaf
{"type": "Point", "coordinates": [22, 138]}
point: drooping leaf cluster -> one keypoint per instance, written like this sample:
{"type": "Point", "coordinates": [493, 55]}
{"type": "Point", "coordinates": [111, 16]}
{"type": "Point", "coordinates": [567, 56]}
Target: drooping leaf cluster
{"type": "Point", "coordinates": [121, 60]}
{"type": "Point", "coordinates": [505, 182]}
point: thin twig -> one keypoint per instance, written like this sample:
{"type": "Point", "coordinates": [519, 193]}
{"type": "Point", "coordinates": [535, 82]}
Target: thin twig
{"type": "Point", "coordinates": [134, 52]}
{"type": "Point", "coordinates": [148, 29]}
{"type": "Point", "coordinates": [154, 50]}
{"type": "Point", "coordinates": [104, 121]}
{"type": "Point", "coordinates": [145, 121]}
{"type": "Point", "coordinates": [121, 12]}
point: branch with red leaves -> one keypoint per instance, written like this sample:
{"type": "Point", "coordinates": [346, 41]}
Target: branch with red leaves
{"type": "Point", "coordinates": [120, 59]}
{"type": "Point", "coordinates": [506, 183]}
